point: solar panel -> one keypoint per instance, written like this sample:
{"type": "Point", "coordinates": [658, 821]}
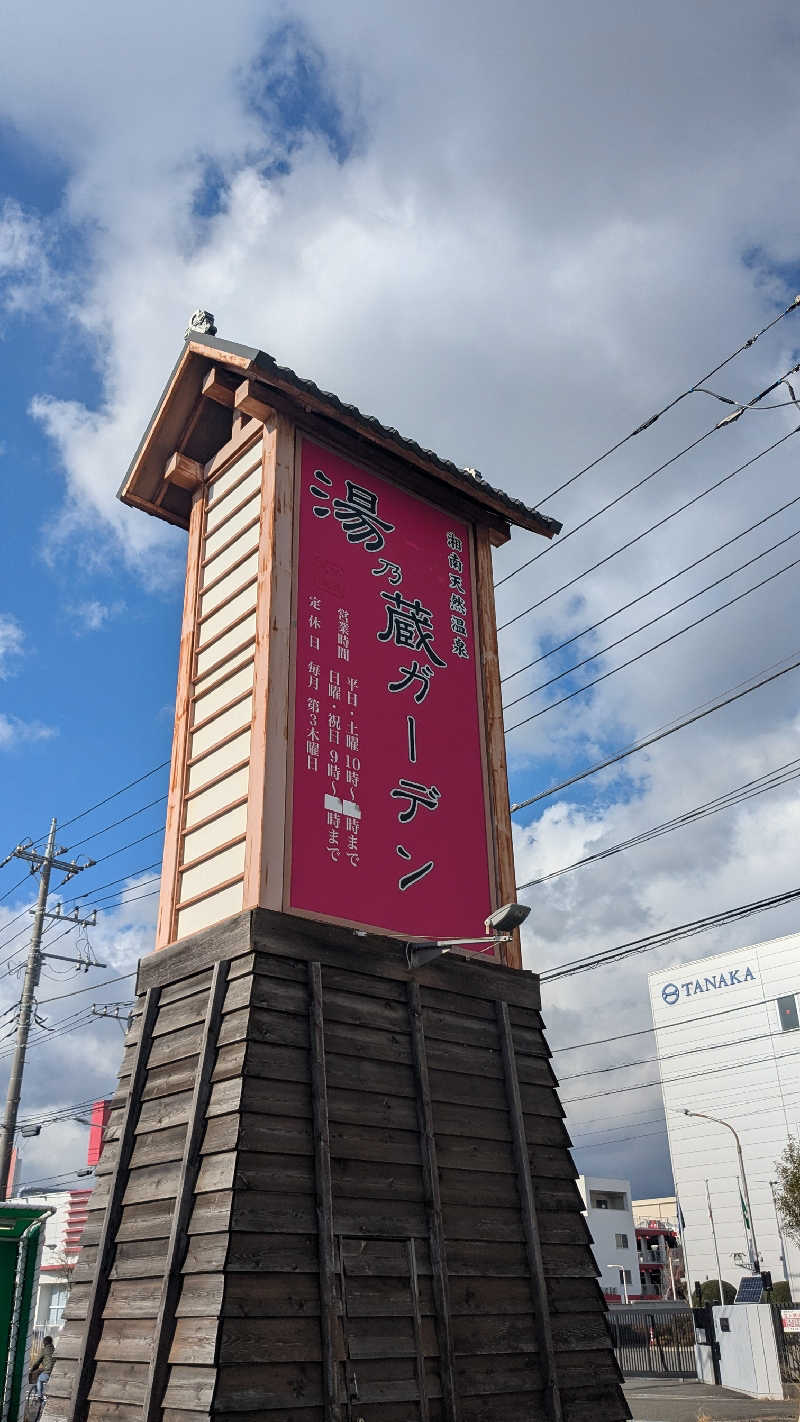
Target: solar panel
{"type": "Point", "coordinates": [751, 1289]}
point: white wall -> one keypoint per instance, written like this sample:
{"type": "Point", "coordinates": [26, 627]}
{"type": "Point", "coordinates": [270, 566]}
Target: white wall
{"type": "Point", "coordinates": [748, 1352]}
{"type": "Point", "coordinates": [722, 1051]}
{"type": "Point", "coordinates": [605, 1225]}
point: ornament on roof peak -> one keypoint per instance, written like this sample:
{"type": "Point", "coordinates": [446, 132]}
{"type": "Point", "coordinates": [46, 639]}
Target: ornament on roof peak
{"type": "Point", "coordinates": [201, 324]}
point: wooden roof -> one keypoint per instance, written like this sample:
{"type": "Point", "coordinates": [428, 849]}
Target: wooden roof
{"type": "Point", "coordinates": [194, 413]}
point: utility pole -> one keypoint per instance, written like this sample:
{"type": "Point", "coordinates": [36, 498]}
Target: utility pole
{"type": "Point", "coordinates": [43, 865]}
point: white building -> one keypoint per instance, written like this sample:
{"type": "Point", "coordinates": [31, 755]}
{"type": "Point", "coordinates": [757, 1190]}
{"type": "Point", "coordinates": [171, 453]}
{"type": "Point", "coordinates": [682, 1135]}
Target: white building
{"type": "Point", "coordinates": [728, 1041]}
{"type": "Point", "coordinates": [660, 1207]}
{"type": "Point", "coordinates": [62, 1237]}
{"type": "Point", "coordinates": [607, 1206]}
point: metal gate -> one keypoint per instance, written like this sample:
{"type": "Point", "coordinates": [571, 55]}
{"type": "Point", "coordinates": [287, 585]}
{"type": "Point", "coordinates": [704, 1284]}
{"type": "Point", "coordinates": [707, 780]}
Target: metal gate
{"type": "Point", "coordinates": [654, 1342]}
{"type": "Point", "coordinates": [788, 1349]}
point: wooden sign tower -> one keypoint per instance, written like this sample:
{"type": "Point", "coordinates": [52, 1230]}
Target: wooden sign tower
{"type": "Point", "coordinates": [336, 1187]}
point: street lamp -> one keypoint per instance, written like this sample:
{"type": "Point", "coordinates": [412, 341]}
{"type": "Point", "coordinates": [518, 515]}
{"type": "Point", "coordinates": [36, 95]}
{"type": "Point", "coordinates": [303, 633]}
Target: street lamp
{"type": "Point", "coordinates": [705, 1117]}
{"type": "Point", "coordinates": [622, 1280]}
{"type": "Point", "coordinates": [503, 922]}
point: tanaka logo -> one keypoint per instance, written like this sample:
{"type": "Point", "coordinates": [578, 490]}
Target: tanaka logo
{"type": "Point", "coordinates": [671, 991]}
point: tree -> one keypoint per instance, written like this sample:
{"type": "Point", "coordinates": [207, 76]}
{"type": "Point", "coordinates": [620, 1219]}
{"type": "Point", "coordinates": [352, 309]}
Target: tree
{"type": "Point", "coordinates": [787, 1194]}
{"type": "Point", "coordinates": [708, 1293]}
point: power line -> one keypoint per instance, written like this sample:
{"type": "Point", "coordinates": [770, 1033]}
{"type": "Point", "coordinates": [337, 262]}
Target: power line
{"type": "Point", "coordinates": [668, 1081]}
{"type": "Point", "coordinates": [657, 587]}
{"type": "Point", "coordinates": [13, 889]}
{"type": "Point", "coordinates": [132, 816]}
{"type": "Point", "coordinates": [626, 637]}
{"type": "Point", "coordinates": [692, 389]}
{"type": "Point", "coordinates": [666, 1057]}
{"type": "Point", "coordinates": [667, 935]}
{"type": "Point", "coordinates": [93, 987]}
{"type": "Point", "coordinates": [659, 523]}
{"type": "Point", "coordinates": [670, 730]}
{"type": "Point", "coordinates": [665, 1026]}
{"type": "Point", "coordinates": [618, 498]}
{"type": "Point", "coordinates": [113, 796]}
{"type": "Point", "coordinates": [130, 845]}
{"type": "Point", "coordinates": [739, 795]}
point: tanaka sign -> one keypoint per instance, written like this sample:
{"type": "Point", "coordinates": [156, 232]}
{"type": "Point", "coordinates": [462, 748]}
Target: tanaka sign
{"type": "Point", "coordinates": [388, 802]}
{"type": "Point", "coordinates": [673, 992]}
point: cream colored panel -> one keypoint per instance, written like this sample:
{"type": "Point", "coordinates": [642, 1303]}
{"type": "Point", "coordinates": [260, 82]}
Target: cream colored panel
{"type": "Point", "coordinates": [216, 730]}
{"type": "Point", "coordinates": [219, 761]}
{"type": "Point", "coordinates": [229, 584]}
{"type": "Point", "coordinates": [227, 614]}
{"type": "Point", "coordinates": [222, 483]}
{"type": "Point", "coordinates": [223, 648]}
{"type": "Point", "coordinates": [234, 685]}
{"type": "Point", "coordinates": [219, 831]}
{"type": "Point", "coordinates": [241, 548]}
{"type": "Point", "coordinates": [211, 910]}
{"type": "Point", "coordinates": [216, 870]}
{"type": "Point", "coordinates": [220, 510]}
{"type": "Point", "coordinates": [208, 802]}
{"type": "Point", "coordinates": [215, 540]}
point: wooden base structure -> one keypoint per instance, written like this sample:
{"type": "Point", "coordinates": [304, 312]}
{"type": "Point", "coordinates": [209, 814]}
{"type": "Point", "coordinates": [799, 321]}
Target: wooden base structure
{"type": "Point", "coordinates": [334, 1190]}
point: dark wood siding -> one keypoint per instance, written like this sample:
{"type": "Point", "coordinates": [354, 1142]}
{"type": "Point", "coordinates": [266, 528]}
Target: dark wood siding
{"type": "Point", "coordinates": [334, 1191]}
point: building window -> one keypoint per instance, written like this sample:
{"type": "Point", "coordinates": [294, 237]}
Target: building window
{"type": "Point", "coordinates": [627, 1276]}
{"type": "Point", "coordinates": [787, 1012]}
{"type": "Point", "coordinates": [622, 1241]}
{"type": "Point", "coordinates": [608, 1200]}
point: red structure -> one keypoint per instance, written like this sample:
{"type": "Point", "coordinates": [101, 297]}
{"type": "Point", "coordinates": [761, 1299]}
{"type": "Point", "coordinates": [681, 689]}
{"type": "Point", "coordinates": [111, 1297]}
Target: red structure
{"type": "Point", "coordinates": [657, 1243]}
{"type": "Point", "coordinates": [101, 1111]}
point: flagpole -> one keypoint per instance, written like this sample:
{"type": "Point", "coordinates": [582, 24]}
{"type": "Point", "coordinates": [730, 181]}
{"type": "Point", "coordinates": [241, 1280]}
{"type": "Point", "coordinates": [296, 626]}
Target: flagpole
{"type": "Point", "coordinates": [716, 1250]}
{"type": "Point", "coordinates": [681, 1228]}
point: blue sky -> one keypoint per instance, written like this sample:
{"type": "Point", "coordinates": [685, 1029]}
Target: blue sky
{"type": "Point", "coordinates": [514, 247]}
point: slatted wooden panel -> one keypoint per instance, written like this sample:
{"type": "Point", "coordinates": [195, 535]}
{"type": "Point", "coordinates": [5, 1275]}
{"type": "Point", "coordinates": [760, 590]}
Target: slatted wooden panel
{"type": "Point", "coordinates": [358, 1243]}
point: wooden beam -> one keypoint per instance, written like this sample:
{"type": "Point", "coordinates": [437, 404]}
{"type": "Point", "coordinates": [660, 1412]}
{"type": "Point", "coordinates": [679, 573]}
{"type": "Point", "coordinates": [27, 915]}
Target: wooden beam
{"type": "Point", "coordinates": [214, 387]}
{"type": "Point", "coordinates": [184, 472]}
{"type": "Point", "coordinates": [433, 1197]}
{"type": "Point", "coordinates": [533, 1244]}
{"type": "Point", "coordinates": [176, 797]}
{"type": "Point", "coordinates": [247, 402]}
{"type": "Point", "coordinates": [419, 1348]}
{"type": "Point", "coordinates": [152, 1403]}
{"type": "Point", "coordinates": [324, 1196]}
{"type": "Point", "coordinates": [84, 1369]}
{"type": "Point", "coordinates": [500, 817]}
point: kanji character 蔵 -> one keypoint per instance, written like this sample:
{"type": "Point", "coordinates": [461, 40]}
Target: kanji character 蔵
{"type": "Point", "coordinates": [409, 624]}
{"type": "Point", "coordinates": [416, 795]}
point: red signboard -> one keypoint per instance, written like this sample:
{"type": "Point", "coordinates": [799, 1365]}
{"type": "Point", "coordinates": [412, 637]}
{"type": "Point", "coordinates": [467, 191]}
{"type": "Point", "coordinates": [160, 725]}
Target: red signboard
{"type": "Point", "coordinates": [388, 802]}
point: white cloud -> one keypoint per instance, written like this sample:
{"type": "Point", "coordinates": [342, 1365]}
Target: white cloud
{"type": "Point", "coordinates": [29, 280]}
{"type": "Point", "coordinates": [92, 615]}
{"type": "Point", "coordinates": [12, 639]}
{"type": "Point", "coordinates": [15, 732]}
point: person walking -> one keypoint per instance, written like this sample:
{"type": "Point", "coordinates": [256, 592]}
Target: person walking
{"type": "Point", "coordinates": [42, 1366]}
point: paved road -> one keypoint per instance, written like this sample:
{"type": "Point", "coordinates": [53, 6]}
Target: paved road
{"type": "Point", "coordinates": [662, 1400]}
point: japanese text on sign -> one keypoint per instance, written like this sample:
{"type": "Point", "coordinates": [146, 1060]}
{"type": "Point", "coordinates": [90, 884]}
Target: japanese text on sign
{"type": "Point", "coordinates": [388, 811]}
